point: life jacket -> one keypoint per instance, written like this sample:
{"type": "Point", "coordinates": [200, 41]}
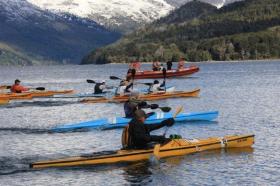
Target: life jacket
{"type": "Point", "coordinates": [126, 138]}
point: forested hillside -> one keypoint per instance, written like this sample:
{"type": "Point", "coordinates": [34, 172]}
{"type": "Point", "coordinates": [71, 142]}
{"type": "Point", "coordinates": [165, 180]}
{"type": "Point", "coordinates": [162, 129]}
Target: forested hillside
{"type": "Point", "coordinates": [200, 32]}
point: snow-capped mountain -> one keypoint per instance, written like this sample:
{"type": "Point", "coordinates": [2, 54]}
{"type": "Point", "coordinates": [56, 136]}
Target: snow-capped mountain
{"type": "Point", "coordinates": [121, 14]}
{"type": "Point", "coordinates": [110, 13]}
{"type": "Point", "coordinates": [41, 33]}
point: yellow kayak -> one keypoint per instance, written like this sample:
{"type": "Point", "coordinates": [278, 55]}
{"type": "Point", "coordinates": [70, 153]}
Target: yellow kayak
{"type": "Point", "coordinates": [175, 147]}
{"type": "Point", "coordinates": [4, 101]}
{"type": "Point", "coordinates": [33, 94]}
{"type": "Point", "coordinates": [146, 97]}
{"type": "Point", "coordinates": [16, 96]}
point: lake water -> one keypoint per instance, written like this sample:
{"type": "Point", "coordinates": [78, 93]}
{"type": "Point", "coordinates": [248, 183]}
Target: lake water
{"type": "Point", "coordinates": [246, 94]}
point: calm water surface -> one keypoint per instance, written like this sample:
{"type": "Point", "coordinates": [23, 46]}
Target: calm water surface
{"type": "Point", "coordinates": [246, 94]}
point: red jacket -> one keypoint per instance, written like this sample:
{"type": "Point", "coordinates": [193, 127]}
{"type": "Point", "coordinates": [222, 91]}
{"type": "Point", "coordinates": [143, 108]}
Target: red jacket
{"type": "Point", "coordinates": [18, 89]}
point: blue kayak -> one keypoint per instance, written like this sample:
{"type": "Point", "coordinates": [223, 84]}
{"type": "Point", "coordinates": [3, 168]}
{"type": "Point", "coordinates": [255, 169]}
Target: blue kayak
{"type": "Point", "coordinates": [119, 122]}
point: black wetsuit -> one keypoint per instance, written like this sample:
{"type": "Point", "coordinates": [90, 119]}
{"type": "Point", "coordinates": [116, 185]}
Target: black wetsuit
{"type": "Point", "coordinates": [140, 134]}
{"type": "Point", "coordinates": [169, 65]}
{"type": "Point", "coordinates": [97, 89]}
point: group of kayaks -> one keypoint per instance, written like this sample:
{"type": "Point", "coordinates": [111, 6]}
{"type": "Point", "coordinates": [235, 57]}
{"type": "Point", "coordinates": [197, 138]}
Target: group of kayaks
{"type": "Point", "coordinates": [171, 147]}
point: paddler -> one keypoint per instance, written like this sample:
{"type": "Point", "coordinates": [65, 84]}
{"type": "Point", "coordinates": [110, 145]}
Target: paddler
{"type": "Point", "coordinates": [17, 88]}
{"type": "Point", "coordinates": [156, 66]}
{"type": "Point", "coordinates": [134, 103]}
{"type": "Point", "coordinates": [137, 134]}
{"type": "Point", "coordinates": [99, 88]}
{"type": "Point", "coordinates": [169, 65]}
{"type": "Point", "coordinates": [125, 87]}
{"type": "Point", "coordinates": [181, 64]}
{"type": "Point", "coordinates": [156, 86]}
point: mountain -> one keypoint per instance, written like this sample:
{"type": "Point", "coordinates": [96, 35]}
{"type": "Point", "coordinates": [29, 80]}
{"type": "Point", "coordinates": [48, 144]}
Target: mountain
{"type": "Point", "coordinates": [31, 35]}
{"type": "Point", "coordinates": [120, 15]}
{"type": "Point", "coordinates": [198, 31]}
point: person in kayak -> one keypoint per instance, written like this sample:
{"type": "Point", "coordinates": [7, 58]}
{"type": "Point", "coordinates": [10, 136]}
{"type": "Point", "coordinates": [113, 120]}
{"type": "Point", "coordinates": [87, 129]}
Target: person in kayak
{"type": "Point", "coordinates": [17, 88]}
{"type": "Point", "coordinates": [156, 86]}
{"type": "Point", "coordinates": [135, 65]}
{"type": "Point", "coordinates": [125, 87]}
{"type": "Point", "coordinates": [137, 134]}
{"type": "Point", "coordinates": [134, 103]}
{"type": "Point", "coordinates": [169, 65]}
{"type": "Point", "coordinates": [156, 66]}
{"type": "Point", "coordinates": [181, 64]}
{"type": "Point", "coordinates": [99, 88]}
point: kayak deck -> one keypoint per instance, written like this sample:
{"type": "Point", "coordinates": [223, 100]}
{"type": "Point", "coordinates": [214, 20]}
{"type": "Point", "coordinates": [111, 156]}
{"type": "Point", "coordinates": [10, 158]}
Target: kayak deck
{"type": "Point", "coordinates": [119, 122]}
{"type": "Point", "coordinates": [146, 97]}
{"type": "Point", "coordinates": [177, 147]}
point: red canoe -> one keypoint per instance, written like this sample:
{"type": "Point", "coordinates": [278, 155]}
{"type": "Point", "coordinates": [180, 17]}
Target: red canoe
{"type": "Point", "coordinates": [170, 73]}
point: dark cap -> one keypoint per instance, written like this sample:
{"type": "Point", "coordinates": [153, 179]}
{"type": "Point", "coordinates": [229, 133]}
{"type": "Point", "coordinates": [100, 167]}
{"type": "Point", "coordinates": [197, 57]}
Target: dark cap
{"type": "Point", "coordinates": [140, 114]}
{"type": "Point", "coordinates": [17, 81]}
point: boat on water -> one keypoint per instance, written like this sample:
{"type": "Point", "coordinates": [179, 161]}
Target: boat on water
{"type": "Point", "coordinates": [33, 94]}
{"type": "Point", "coordinates": [169, 73]}
{"type": "Point", "coordinates": [146, 97]}
{"type": "Point", "coordinates": [119, 122]}
{"type": "Point", "coordinates": [174, 147]}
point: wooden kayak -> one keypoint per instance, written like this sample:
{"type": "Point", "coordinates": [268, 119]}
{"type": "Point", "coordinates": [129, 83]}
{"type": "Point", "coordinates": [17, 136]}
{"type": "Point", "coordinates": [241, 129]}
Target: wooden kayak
{"type": "Point", "coordinates": [169, 73]}
{"type": "Point", "coordinates": [146, 97]}
{"type": "Point", "coordinates": [16, 96]}
{"type": "Point", "coordinates": [33, 94]}
{"type": "Point", "coordinates": [175, 147]}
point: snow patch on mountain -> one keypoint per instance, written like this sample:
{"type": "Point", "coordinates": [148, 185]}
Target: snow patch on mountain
{"type": "Point", "coordinates": [109, 11]}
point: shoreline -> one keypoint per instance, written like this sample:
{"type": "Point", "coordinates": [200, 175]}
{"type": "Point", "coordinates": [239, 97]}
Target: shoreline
{"type": "Point", "coordinates": [187, 62]}
{"type": "Point", "coordinates": [232, 61]}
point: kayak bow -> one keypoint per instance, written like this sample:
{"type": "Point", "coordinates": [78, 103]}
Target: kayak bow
{"type": "Point", "coordinates": [176, 147]}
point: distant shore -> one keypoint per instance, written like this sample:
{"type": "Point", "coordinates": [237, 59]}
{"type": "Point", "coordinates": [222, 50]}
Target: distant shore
{"type": "Point", "coordinates": [233, 61]}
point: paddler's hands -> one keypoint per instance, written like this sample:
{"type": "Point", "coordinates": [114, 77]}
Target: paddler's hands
{"type": "Point", "coordinates": [168, 122]}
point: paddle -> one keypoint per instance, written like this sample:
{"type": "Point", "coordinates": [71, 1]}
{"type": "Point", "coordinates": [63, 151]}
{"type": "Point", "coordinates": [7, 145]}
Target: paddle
{"type": "Point", "coordinates": [115, 78]}
{"type": "Point", "coordinates": [164, 76]}
{"type": "Point", "coordinates": [90, 81]}
{"type": "Point", "coordinates": [156, 151]}
{"type": "Point", "coordinates": [38, 88]}
{"type": "Point", "coordinates": [178, 110]}
{"type": "Point", "coordinates": [133, 72]}
{"type": "Point", "coordinates": [164, 109]}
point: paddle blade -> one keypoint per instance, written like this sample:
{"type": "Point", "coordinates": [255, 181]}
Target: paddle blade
{"type": "Point", "coordinates": [115, 78]}
{"type": "Point", "coordinates": [40, 88]}
{"type": "Point", "coordinates": [164, 72]}
{"type": "Point", "coordinates": [133, 72]}
{"type": "Point", "coordinates": [148, 84]}
{"type": "Point", "coordinates": [90, 81]}
{"type": "Point", "coordinates": [178, 110]}
{"type": "Point", "coordinates": [165, 109]}
{"type": "Point", "coordinates": [156, 151]}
